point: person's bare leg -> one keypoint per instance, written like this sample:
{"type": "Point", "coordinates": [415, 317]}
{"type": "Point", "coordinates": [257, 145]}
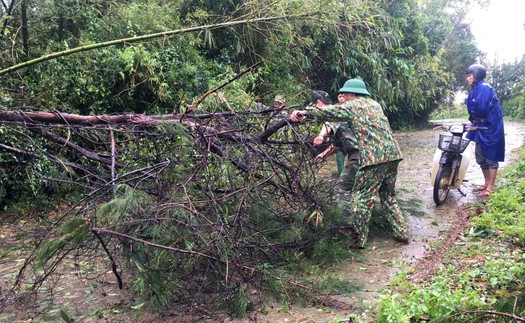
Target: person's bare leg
{"type": "Point", "coordinates": [486, 176]}
{"type": "Point", "coordinates": [491, 182]}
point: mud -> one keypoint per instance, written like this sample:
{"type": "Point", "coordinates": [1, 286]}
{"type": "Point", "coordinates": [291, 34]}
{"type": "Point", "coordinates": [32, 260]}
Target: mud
{"type": "Point", "coordinates": [432, 231]}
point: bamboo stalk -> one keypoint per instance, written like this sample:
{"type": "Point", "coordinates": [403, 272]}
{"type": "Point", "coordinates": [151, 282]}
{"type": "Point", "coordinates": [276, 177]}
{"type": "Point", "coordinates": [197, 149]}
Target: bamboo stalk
{"type": "Point", "coordinates": [142, 38]}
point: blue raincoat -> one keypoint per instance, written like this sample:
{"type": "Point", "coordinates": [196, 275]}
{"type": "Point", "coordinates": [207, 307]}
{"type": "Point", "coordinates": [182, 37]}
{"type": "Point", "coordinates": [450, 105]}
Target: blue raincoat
{"type": "Point", "coordinates": [485, 111]}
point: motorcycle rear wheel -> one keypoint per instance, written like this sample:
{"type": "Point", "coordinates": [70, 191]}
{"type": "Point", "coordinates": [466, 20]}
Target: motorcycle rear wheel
{"type": "Point", "coordinates": [441, 184]}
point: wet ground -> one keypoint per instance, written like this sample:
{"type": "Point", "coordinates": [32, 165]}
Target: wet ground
{"type": "Point", "coordinates": [432, 230]}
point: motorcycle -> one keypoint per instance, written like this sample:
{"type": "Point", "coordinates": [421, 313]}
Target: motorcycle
{"type": "Point", "coordinates": [450, 161]}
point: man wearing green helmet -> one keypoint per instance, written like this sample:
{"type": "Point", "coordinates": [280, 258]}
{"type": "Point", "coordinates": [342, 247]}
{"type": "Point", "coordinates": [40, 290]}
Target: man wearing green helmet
{"type": "Point", "coordinates": [379, 157]}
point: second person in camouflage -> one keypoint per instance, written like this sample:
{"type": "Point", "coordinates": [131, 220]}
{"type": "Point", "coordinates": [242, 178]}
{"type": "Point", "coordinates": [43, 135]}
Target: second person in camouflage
{"type": "Point", "coordinates": [379, 157]}
{"type": "Point", "coordinates": [344, 141]}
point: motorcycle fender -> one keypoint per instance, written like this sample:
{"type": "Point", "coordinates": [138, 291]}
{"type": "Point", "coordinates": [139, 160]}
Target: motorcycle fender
{"type": "Point", "coordinates": [435, 165]}
{"type": "Point", "coordinates": [463, 166]}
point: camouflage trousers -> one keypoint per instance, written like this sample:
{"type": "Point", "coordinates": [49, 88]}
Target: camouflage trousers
{"type": "Point", "coordinates": [340, 158]}
{"type": "Point", "coordinates": [346, 179]}
{"type": "Point", "coordinates": [372, 182]}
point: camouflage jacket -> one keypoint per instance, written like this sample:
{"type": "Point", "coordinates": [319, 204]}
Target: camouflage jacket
{"type": "Point", "coordinates": [365, 117]}
{"type": "Point", "coordinates": [343, 137]}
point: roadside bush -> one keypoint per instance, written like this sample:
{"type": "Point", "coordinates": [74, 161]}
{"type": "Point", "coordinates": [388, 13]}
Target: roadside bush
{"type": "Point", "coordinates": [515, 107]}
{"type": "Point", "coordinates": [483, 276]}
{"type": "Point", "coordinates": [505, 213]}
{"type": "Point", "coordinates": [457, 111]}
{"type": "Point", "coordinates": [411, 302]}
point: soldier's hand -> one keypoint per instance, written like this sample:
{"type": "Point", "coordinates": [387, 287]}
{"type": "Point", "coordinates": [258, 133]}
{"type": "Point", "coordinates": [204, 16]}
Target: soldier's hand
{"type": "Point", "coordinates": [318, 140]}
{"type": "Point", "coordinates": [319, 158]}
{"type": "Point", "coordinates": [297, 116]}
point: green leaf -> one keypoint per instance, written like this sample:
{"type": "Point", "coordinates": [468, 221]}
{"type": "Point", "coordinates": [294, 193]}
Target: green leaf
{"type": "Point", "coordinates": [65, 316]}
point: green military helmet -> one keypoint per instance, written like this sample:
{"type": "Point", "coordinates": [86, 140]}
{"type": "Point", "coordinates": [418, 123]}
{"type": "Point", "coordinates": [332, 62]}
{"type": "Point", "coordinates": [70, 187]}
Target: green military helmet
{"type": "Point", "coordinates": [354, 86]}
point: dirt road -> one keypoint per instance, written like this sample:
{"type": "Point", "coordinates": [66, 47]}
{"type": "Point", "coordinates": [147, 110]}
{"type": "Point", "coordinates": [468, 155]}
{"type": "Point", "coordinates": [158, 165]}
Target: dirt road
{"type": "Point", "coordinates": [372, 268]}
{"type": "Point", "coordinates": [375, 266]}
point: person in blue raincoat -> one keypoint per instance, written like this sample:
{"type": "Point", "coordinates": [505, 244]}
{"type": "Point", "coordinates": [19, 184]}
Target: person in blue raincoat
{"type": "Point", "coordinates": [485, 111]}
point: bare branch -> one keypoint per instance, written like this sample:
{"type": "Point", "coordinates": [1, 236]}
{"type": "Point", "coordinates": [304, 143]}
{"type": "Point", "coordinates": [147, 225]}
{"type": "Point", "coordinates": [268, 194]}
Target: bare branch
{"type": "Point", "coordinates": [69, 144]}
{"type": "Point", "coordinates": [17, 151]}
{"type": "Point", "coordinates": [248, 70]}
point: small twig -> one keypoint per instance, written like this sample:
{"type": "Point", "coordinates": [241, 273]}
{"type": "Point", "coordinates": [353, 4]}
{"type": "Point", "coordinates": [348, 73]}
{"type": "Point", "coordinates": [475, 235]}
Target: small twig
{"type": "Point", "coordinates": [223, 99]}
{"type": "Point", "coordinates": [113, 157]}
{"type": "Point", "coordinates": [514, 317]}
{"type": "Point", "coordinates": [113, 264]}
{"type": "Point", "coordinates": [152, 244]}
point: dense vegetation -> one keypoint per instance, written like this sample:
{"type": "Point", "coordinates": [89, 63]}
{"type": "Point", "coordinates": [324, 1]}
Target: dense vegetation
{"type": "Point", "coordinates": [201, 188]}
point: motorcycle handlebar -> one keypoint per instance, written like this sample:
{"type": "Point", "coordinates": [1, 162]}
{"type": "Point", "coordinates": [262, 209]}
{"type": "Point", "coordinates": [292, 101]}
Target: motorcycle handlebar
{"type": "Point", "coordinates": [467, 126]}
{"type": "Point", "coordinates": [472, 128]}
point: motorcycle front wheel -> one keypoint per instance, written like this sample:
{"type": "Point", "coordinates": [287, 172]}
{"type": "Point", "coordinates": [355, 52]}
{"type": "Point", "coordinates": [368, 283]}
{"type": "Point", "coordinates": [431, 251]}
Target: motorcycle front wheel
{"type": "Point", "coordinates": [441, 184]}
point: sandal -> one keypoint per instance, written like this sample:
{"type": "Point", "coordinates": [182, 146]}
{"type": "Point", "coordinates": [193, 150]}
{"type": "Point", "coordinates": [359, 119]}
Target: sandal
{"type": "Point", "coordinates": [480, 188]}
{"type": "Point", "coordinates": [485, 193]}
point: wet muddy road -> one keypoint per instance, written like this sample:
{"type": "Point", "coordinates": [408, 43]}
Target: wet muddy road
{"type": "Point", "coordinates": [374, 267]}
{"type": "Point", "coordinates": [414, 183]}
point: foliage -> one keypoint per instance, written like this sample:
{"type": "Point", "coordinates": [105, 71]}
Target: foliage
{"type": "Point", "coordinates": [386, 46]}
{"type": "Point", "coordinates": [338, 285]}
{"type": "Point", "coordinates": [506, 212]}
{"type": "Point", "coordinates": [456, 111]}
{"type": "Point", "coordinates": [72, 233]}
{"type": "Point", "coordinates": [509, 82]}
{"type": "Point", "coordinates": [25, 178]}
{"type": "Point", "coordinates": [482, 273]}
{"type": "Point", "coordinates": [480, 278]}
{"type": "Point", "coordinates": [411, 302]}
{"type": "Point", "coordinates": [458, 48]}
{"type": "Point", "coordinates": [195, 213]}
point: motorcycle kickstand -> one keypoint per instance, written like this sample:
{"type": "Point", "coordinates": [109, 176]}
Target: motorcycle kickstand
{"type": "Point", "coordinates": [461, 192]}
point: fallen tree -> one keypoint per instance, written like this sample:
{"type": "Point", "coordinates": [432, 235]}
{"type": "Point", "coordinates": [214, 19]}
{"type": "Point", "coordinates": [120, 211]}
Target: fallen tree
{"type": "Point", "coordinates": [229, 194]}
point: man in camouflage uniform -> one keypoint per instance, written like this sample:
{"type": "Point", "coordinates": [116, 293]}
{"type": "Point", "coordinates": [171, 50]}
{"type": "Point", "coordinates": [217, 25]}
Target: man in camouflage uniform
{"type": "Point", "coordinates": [379, 157]}
{"type": "Point", "coordinates": [349, 140]}
{"type": "Point", "coordinates": [343, 140]}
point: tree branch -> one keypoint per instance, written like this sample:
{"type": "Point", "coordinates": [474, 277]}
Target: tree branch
{"type": "Point", "coordinates": [87, 153]}
{"type": "Point", "coordinates": [8, 13]}
{"type": "Point", "coordinates": [113, 263]}
{"type": "Point", "coordinates": [512, 316]}
{"type": "Point", "coordinates": [249, 69]}
{"type": "Point", "coordinates": [17, 151]}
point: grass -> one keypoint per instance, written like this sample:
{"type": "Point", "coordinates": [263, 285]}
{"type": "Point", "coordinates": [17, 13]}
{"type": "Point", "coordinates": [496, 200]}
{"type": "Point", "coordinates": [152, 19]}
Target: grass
{"type": "Point", "coordinates": [482, 275]}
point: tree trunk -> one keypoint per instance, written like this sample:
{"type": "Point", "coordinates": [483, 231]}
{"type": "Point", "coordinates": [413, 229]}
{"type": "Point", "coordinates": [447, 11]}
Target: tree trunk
{"type": "Point", "coordinates": [8, 11]}
{"type": "Point", "coordinates": [25, 31]}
